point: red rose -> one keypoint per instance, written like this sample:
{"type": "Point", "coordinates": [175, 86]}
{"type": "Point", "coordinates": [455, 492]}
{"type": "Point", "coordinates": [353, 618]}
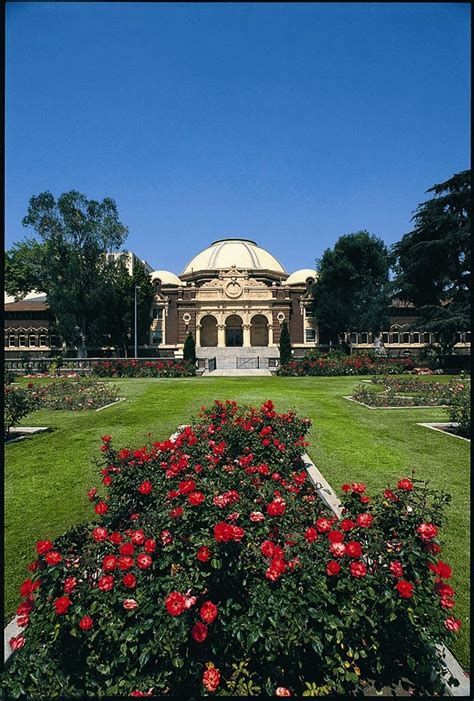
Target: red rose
{"type": "Point", "coordinates": [106, 439]}
{"type": "Point", "coordinates": [144, 561]}
{"type": "Point", "coordinates": [365, 520]}
{"type": "Point", "coordinates": [208, 612]}
{"type": "Point", "coordinates": [130, 604]}
{"type": "Point", "coordinates": [267, 548]}
{"type": "Point", "coordinates": [427, 531]}
{"type": "Point", "coordinates": [396, 568]}
{"type": "Point", "coordinates": [125, 562]}
{"type": "Point", "coordinates": [62, 604]}
{"type": "Point", "coordinates": [452, 624]}
{"type": "Point", "coordinates": [391, 496]}
{"type": "Point", "coordinates": [100, 533]}
{"type": "Point", "coordinates": [446, 603]}
{"type": "Point", "coordinates": [101, 508]}
{"type": "Point", "coordinates": [187, 486]}
{"type": "Point", "coordinates": [196, 498]}
{"type": "Point", "coordinates": [115, 538]}
{"type": "Point", "coordinates": [364, 499]}
{"type": "Point", "coordinates": [353, 549]}
{"type": "Point", "coordinates": [138, 537]}
{"type": "Point", "coordinates": [70, 584]}
{"type": "Point", "coordinates": [166, 537]}
{"type": "Point", "coordinates": [405, 484]}
{"type": "Point", "coordinates": [17, 642]}
{"type": "Point", "coordinates": [175, 603]}
{"type": "Point", "coordinates": [276, 507]}
{"type": "Point", "coordinates": [256, 516]}
{"type": "Point", "coordinates": [53, 557]}
{"type": "Point", "coordinates": [106, 582]}
{"type": "Point", "coordinates": [333, 568]}
{"type": "Point", "coordinates": [86, 622]}
{"type": "Point", "coordinates": [149, 545]}
{"type": "Point", "coordinates": [177, 512]}
{"type": "Point", "coordinates": [311, 534]}
{"type": "Point", "coordinates": [25, 607]}
{"type": "Point", "coordinates": [43, 546]}
{"type": "Point", "coordinates": [444, 589]}
{"type": "Point", "coordinates": [129, 580]}
{"type": "Point", "coordinates": [211, 678]}
{"type": "Point", "coordinates": [199, 632]}
{"type": "Point", "coordinates": [337, 549]}
{"type": "Point", "coordinates": [203, 554]}
{"type": "Point", "coordinates": [346, 487]}
{"type": "Point", "coordinates": [28, 587]}
{"type": "Point", "coordinates": [358, 487]}
{"type": "Point", "coordinates": [405, 589]}
{"type": "Point", "coordinates": [323, 525]}
{"type": "Point", "coordinates": [347, 524]}
{"type": "Point", "coordinates": [223, 532]}
{"type": "Point", "coordinates": [109, 563]}
{"type": "Point", "coordinates": [276, 568]}
{"type": "Point", "coordinates": [282, 691]}
{"type": "Point", "coordinates": [127, 549]}
{"type": "Point", "coordinates": [358, 569]}
{"type": "Point", "coordinates": [442, 569]}
{"type": "Point", "coordinates": [335, 536]}
{"type": "Point", "coordinates": [145, 487]}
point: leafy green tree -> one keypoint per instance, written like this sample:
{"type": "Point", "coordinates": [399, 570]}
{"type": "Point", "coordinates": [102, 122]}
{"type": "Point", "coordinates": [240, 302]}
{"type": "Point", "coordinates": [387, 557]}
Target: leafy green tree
{"type": "Point", "coordinates": [118, 323]}
{"type": "Point", "coordinates": [285, 344]}
{"type": "Point", "coordinates": [189, 350]}
{"type": "Point", "coordinates": [352, 288]}
{"type": "Point", "coordinates": [433, 261]}
{"type": "Point", "coordinates": [68, 261]}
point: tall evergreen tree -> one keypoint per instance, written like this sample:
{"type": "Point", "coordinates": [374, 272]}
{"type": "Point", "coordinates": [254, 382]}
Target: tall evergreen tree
{"type": "Point", "coordinates": [433, 261]}
{"type": "Point", "coordinates": [189, 350]}
{"type": "Point", "coordinates": [285, 344]}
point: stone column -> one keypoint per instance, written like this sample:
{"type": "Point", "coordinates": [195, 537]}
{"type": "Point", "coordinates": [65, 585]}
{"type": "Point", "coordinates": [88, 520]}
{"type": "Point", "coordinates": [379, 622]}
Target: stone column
{"type": "Point", "coordinates": [246, 338]}
{"type": "Point", "coordinates": [270, 334]}
{"type": "Point", "coordinates": [198, 335]}
{"type": "Point", "coordinates": [221, 335]}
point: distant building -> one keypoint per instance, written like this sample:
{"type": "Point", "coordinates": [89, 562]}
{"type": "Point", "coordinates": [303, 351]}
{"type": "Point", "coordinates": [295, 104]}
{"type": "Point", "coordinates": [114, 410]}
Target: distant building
{"type": "Point", "coordinates": [233, 297]}
{"type": "Point", "coordinates": [130, 260]}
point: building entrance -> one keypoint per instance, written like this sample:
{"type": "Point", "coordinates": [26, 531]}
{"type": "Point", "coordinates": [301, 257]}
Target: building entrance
{"type": "Point", "coordinates": [234, 335]}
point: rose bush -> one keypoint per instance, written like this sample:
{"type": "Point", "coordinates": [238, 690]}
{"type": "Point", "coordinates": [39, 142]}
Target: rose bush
{"type": "Point", "coordinates": [459, 411]}
{"type": "Point", "coordinates": [18, 403]}
{"type": "Point", "coordinates": [214, 568]}
{"type": "Point", "coordinates": [420, 393]}
{"type": "Point", "coordinates": [314, 363]}
{"type": "Point", "coordinates": [75, 395]}
{"type": "Point", "coordinates": [144, 368]}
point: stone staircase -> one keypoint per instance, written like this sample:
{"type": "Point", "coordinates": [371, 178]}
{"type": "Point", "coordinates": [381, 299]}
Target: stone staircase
{"type": "Point", "coordinates": [226, 360]}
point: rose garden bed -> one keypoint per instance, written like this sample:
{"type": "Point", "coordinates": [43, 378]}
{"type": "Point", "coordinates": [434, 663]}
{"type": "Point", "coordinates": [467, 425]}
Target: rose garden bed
{"type": "Point", "coordinates": [388, 392]}
{"type": "Point", "coordinates": [216, 569]}
{"type": "Point", "coordinates": [143, 368]}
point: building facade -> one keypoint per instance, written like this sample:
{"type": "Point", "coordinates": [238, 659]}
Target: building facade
{"type": "Point", "coordinates": [232, 295]}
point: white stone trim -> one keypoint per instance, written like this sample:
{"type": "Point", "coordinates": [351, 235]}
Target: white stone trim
{"type": "Point", "coordinates": [117, 401]}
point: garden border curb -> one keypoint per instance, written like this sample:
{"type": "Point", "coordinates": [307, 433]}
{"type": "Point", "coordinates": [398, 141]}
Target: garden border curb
{"type": "Point", "coordinates": [435, 427]}
{"type": "Point", "coordinates": [419, 406]}
{"type": "Point", "coordinates": [117, 401]}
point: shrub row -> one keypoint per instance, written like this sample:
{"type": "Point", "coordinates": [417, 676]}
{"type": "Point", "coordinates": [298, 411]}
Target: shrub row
{"type": "Point", "coordinates": [358, 364]}
{"type": "Point", "coordinates": [215, 569]}
{"type": "Point", "coordinates": [144, 368]}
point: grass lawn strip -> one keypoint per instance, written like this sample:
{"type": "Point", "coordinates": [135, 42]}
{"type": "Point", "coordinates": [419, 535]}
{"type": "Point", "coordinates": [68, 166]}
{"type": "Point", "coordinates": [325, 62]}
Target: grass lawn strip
{"type": "Point", "coordinates": [442, 428]}
{"type": "Point", "coordinates": [46, 479]}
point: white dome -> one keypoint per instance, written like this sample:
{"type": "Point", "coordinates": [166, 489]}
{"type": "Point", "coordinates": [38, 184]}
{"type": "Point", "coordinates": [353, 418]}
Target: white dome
{"type": "Point", "coordinates": [225, 253]}
{"type": "Point", "coordinates": [166, 277]}
{"type": "Point", "coordinates": [299, 277]}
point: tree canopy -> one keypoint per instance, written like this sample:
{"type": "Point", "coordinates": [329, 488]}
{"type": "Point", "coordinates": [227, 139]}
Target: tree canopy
{"type": "Point", "coordinates": [351, 291]}
{"type": "Point", "coordinates": [433, 261]}
{"type": "Point", "coordinates": [68, 261]}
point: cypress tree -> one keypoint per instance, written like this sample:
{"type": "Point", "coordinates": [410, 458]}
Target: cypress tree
{"type": "Point", "coordinates": [285, 344]}
{"type": "Point", "coordinates": [189, 350]}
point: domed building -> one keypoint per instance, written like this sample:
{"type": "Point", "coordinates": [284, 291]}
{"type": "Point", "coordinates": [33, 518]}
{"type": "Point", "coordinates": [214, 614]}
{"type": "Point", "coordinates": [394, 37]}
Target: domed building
{"type": "Point", "coordinates": [235, 295]}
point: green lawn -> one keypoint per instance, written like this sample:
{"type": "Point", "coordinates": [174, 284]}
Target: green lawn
{"type": "Point", "coordinates": [47, 475]}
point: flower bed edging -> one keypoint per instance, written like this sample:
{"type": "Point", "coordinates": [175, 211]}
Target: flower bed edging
{"type": "Point", "coordinates": [418, 406]}
{"type": "Point", "coordinates": [439, 427]}
{"type": "Point", "coordinates": [117, 401]}
{"type": "Point", "coordinates": [26, 431]}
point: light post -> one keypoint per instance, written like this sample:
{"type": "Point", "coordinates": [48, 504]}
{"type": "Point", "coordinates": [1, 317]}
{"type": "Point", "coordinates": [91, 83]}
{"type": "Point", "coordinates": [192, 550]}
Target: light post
{"type": "Point", "coordinates": [137, 287]}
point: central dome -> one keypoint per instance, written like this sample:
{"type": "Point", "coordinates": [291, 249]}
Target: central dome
{"type": "Point", "coordinates": [224, 253]}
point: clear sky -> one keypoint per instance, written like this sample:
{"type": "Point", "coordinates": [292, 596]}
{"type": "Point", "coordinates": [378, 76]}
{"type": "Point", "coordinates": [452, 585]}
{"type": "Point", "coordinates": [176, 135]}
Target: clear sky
{"type": "Point", "coordinates": [290, 124]}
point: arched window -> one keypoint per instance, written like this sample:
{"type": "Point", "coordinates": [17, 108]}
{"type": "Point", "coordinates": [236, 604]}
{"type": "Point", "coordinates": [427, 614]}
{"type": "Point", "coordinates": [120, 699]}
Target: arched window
{"type": "Point", "coordinates": [259, 330]}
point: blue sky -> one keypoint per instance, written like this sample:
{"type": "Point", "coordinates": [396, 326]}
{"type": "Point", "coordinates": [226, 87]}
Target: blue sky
{"type": "Point", "coordinates": [290, 124]}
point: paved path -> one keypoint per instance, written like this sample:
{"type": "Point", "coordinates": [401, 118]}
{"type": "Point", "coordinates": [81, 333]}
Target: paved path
{"type": "Point", "coordinates": [232, 372]}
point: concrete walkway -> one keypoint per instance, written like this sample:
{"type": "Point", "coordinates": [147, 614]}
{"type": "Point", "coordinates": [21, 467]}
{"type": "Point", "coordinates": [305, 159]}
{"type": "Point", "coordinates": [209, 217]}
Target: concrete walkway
{"type": "Point", "coordinates": [233, 372]}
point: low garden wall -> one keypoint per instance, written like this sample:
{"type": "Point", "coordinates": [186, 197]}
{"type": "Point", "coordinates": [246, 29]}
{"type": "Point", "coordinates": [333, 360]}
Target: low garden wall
{"type": "Point", "coordinates": [215, 569]}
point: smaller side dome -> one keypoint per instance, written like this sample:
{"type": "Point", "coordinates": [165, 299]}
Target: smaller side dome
{"type": "Point", "coordinates": [166, 278]}
{"type": "Point", "coordinates": [300, 277]}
